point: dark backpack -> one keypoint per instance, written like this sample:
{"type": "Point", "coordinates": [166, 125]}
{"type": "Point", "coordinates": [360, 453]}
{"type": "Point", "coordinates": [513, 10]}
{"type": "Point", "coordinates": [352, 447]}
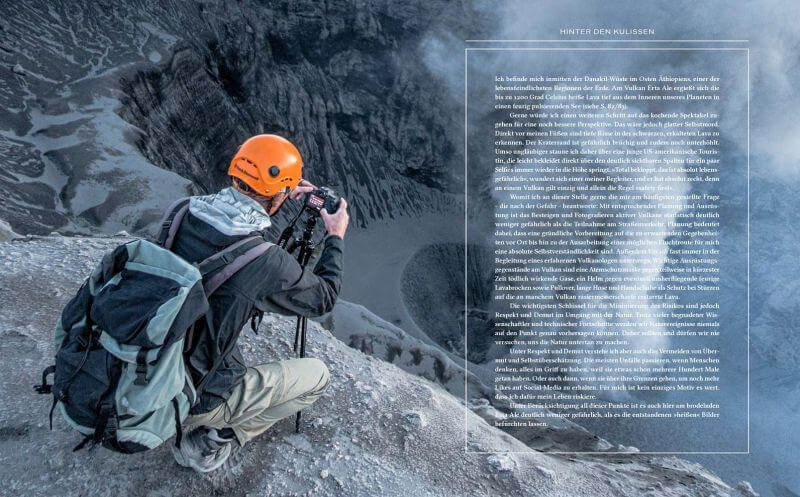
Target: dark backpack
{"type": "Point", "coordinates": [120, 375]}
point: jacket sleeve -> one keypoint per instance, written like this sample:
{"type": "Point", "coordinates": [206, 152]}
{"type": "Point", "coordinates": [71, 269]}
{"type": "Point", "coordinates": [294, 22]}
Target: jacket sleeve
{"type": "Point", "coordinates": [306, 293]}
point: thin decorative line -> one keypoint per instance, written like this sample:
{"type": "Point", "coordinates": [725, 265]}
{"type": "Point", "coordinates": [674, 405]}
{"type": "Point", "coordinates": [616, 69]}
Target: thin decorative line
{"type": "Point", "coordinates": [524, 49]}
{"type": "Point", "coordinates": [610, 453]}
{"type": "Point", "coordinates": [748, 250]}
{"type": "Point", "coordinates": [606, 41]}
{"type": "Point", "coordinates": [466, 371]}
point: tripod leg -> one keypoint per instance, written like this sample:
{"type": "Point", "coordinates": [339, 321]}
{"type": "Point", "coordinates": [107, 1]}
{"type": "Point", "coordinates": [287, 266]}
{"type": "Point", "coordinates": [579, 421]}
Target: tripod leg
{"type": "Point", "coordinates": [297, 333]}
{"type": "Point", "coordinates": [303, 329]}
{"type": "Point", "coordinates": [302, 323]}
{"type": "Point", "coordinates": [302, 326]}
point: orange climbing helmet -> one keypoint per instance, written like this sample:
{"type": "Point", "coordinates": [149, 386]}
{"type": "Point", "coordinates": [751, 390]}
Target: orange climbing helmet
{"type": "Point", "coordinates": [268, 164]}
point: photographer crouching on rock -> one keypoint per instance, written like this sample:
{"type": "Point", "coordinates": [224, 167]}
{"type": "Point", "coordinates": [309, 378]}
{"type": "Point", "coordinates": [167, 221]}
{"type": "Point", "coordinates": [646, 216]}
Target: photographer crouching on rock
{"type": "Point", "coordinates": [239, 402]}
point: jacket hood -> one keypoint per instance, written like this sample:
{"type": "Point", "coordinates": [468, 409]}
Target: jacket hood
{"type": "Point", "coordinates": [230, 212]}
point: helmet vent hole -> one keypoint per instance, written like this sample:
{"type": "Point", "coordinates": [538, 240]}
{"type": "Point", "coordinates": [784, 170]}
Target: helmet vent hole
{"type": "Point", "coordinates": [274, 171]}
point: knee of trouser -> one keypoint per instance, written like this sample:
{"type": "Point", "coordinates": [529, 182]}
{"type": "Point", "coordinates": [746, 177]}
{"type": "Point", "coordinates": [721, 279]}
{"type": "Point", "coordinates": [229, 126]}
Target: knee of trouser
{"type": "Point", "coordinates": [319, 370]}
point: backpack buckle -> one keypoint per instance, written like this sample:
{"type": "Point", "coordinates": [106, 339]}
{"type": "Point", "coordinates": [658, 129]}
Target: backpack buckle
{"type": "Point", "coordinates": [141, 374]}
{"type": "Point", "coordinates": [141, 367]}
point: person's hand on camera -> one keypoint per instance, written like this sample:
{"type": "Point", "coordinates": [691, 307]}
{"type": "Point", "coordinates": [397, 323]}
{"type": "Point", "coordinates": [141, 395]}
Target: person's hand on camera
{"type": "Point", "coordinates": [336, 223]}
{"type": "Point", "coordinates": [304, 187]}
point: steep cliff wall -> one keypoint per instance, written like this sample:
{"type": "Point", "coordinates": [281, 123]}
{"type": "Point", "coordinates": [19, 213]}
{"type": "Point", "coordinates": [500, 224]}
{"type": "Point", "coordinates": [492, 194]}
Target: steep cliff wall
{"type": "Point", "coordinates": [111, 108]}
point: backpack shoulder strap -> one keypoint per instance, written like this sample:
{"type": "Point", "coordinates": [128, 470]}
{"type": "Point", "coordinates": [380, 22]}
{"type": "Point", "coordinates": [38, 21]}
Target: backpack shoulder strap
{"type": "Point", "coordinates": [226, 255]}
{"type": "Point", "coordinates": [229, 261]}
{"type": "Point", "coordinates": [171, 221]}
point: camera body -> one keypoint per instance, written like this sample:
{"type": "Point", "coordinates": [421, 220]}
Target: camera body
{"type": "Point", "coordinates": [322, 198]}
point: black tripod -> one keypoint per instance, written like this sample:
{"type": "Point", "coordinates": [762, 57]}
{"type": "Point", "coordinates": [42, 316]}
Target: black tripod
{"type": "Point", "coordinates": [305, 248]}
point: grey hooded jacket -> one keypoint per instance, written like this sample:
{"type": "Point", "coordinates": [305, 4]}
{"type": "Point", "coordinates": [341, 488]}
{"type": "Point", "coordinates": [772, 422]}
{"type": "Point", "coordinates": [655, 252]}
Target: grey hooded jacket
{"type": "Point", "coordinates": [272, 283]}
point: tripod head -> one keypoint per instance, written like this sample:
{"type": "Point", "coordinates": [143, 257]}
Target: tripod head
{"type": "Point", "coordinates": [288, 242]}
{"type": "Point", "coordinates": [313, 203]}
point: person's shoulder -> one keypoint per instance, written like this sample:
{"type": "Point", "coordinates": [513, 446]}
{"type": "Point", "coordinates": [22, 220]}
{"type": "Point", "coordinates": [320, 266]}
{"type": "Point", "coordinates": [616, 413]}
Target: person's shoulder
{"type": "Point", "coordinates": [267, 273]}
{"type": "Point", "coordinates": [278, 256]}
{"type": "Point", "coordinates": [273, 258]}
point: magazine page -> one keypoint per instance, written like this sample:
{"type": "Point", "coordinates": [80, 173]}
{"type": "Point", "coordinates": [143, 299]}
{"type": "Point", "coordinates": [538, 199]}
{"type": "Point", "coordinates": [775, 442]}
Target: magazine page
{"type": "Point", "coordinates": [277, 248]}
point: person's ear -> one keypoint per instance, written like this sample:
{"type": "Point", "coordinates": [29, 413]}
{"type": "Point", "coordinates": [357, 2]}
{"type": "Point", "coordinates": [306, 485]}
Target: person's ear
{"type": "Point", "coordinates": [275, 204]}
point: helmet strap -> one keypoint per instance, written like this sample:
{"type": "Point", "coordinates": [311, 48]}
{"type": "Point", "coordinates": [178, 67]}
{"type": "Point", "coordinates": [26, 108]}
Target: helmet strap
{"type": "Point", "coordinates": [244, 188]}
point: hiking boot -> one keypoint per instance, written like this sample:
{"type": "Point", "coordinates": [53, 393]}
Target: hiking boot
{"type": "Point", "coordinates": [203, 450]}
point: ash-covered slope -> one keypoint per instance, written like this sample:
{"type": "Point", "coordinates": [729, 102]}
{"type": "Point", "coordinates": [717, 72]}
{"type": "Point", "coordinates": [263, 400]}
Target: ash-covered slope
{"type": "Point", "coordinates": [108, 110]}
{"type": "Point", "coordinates": [377, 431]}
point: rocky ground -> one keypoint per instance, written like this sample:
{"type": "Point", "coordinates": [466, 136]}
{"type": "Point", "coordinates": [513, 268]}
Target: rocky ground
{"type": "Point", "coordinates": [377, 431]}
